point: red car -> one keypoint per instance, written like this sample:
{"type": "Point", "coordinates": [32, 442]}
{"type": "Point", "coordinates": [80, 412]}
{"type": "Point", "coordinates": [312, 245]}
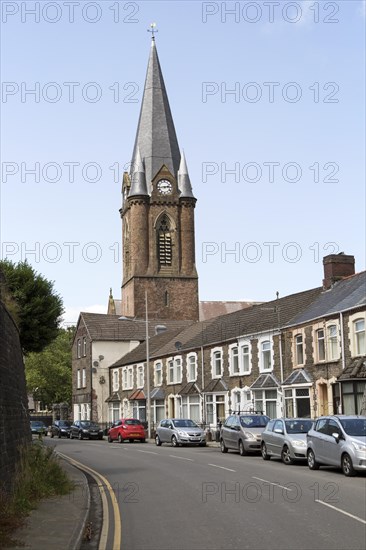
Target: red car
{"type": "Point", "coordinates": [126, 428]}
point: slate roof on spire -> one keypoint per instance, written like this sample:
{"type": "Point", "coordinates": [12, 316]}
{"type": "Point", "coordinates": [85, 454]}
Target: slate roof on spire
{"type": "Point", "coordinates": [156, 137]}
{"type": "Point", "coordinates": [138, 179]}
{"type": "Point", "coordinates": [184, 183]}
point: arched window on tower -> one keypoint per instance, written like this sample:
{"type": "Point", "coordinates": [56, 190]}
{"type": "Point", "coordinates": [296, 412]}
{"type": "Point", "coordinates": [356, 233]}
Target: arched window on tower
{"type": "Point", "coordinates": [164, 242]}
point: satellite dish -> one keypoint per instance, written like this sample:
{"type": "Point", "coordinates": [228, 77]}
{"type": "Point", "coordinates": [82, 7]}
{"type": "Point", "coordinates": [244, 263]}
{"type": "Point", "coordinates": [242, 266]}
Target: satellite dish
{"type": "Point", "coordinates": [178, 345]}
{"type": "Point", "coordinates": [101, 357]}
{"type": "Point", "coordinates": [96, 364]}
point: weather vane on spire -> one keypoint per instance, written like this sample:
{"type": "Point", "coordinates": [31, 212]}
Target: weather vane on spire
{"type": "Point", "coordinates": [153, 30]}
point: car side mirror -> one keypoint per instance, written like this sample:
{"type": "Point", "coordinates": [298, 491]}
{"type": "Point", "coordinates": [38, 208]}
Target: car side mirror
{"type": "Point", "coordinates": [336, 436]}
{"type": "Point", "coordinates": [278, 431]}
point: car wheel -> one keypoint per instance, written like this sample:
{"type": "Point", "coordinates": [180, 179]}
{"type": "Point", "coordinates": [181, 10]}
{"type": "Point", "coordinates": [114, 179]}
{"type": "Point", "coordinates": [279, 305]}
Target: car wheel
{"type": "Point", "coordinates": [312, 463]}
{"type": "Point", "coordinates": [203, 444]}
{"type": "Point", "coordinates": [242, 451]}
{"type": "Point", "coordinates": [157, 441]}
{"type": "Point", "coordinates": [120, 438]}
{"type": "Point", "coordinates": [52, 434]}
{"type": "Point", "coordinates": [71, 436]}
{"type": "Point", "coordinates": [80, 436]}
{"type": "Point", "coordinates": [131, 440]}
{"type": "Point", "coordinates": [223, 447]}
{"type": "Point", "coordinates": [265, 455]}
{"type": "Point", "coordinates": [285, 456]}
{"type": "Point", "coordinates": [347, 466]}
{"type": "Point", "coordinates": [59, 435]}
{"type": "Point", "coordinates": [110, 440]}
{"type": "Point", "coordinates": [143, 440]}
{"type": "Point", "coordinates": [174, 441]}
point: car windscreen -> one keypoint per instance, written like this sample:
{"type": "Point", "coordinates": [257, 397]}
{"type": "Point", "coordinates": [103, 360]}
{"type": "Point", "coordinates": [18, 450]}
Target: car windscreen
{"type": "Point", "coordinates": [64, 424]}
{"type": "Point", "coordinates": [298, 426]}
{"type": "Point", "coordinates": [254, 421]}
{"type": "Point", "coordinates": [37, 423]}
{"type": "Point", "coordinates": [132, 422]}
{"type": "Point", "coordinates": [184, 424]}
{"type": "Point", "coordinates": [355, 427]}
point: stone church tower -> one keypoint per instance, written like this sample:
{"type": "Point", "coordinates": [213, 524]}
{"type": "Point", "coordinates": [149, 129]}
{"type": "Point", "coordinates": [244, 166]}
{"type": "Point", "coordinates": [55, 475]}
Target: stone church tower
{"type": "Point", "coordinates": [158, 214]}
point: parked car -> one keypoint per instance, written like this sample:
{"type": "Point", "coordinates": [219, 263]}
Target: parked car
{"type": "Point", "coordinates": [338, 441]}
{"type": "Point", "coordinates": [84, 429]}
{"type": "Point", "coordinates": [127, 428]}
{"type": "Point", "coordinates": [285, 438]}
{"type": "Point", "coordinates": [242, 432]}
{"type": "Point", "coordinates": [179, 431]}
{"type": "Point", "coordinates": [38, 427]}
{"type": "Point", "coordinates": [61, 428]}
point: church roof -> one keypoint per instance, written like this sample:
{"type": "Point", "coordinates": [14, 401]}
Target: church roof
{"type": "Point", "coordinates": [156, 138]}
{"type": "Point", "coordinates": [103, 327]}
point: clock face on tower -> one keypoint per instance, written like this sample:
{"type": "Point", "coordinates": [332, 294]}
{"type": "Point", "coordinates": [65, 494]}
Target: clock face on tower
{"type": "Point", "coordinates": [164, 187]}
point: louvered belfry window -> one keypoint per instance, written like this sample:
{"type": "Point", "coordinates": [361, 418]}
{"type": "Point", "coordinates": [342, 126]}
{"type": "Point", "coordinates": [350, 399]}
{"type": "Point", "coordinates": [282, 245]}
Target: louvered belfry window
{"type": "Point", "coordinates": [164, 242]}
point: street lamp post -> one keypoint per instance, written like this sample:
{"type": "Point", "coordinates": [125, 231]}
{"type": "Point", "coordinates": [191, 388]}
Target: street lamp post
{"type": "Point", "coordinates": [148, 401]}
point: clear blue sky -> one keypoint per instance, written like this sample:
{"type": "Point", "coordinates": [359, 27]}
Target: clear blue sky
{"type": "Point", "coordinates": [291, 132]}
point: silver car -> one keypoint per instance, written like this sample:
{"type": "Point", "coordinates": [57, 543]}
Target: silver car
{"type": "Point", "coordinates": [338, 441]}
{"type": "Point", "coordinates": [285, 438]}
{"type": "Point", "coordinates": [179, 431]}
{"type": "Point", "coordinates": [242, 432]}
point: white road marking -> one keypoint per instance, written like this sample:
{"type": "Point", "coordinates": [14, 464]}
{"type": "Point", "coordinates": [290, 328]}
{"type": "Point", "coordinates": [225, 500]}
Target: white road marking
{"type": "Point", "coordinates": [271, 483]}
{"type": "Point", "coordinates": [341, 511]}
{"type": "Point", "coordinates": [182, 458]}
{"type": "Point", "coordinates": [222, 467]}
{"type": "Point", "coordinates": [148, 452]}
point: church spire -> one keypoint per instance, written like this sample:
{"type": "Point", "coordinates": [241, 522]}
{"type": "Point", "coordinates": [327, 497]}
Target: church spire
{"type": "Point", "coordinates": [156, 138]}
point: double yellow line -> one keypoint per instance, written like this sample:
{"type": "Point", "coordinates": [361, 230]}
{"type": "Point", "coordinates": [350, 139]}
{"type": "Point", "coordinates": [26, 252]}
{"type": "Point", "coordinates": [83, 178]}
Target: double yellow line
{"type": "Point", "coordinates": [103, 483]}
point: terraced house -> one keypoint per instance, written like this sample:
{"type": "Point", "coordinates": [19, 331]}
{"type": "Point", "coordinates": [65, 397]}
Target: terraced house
{"type": "Point", "coordinates": [301, 355]}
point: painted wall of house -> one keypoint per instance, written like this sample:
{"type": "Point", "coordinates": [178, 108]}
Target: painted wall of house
{"type": "Point", "coordinates": [101, 383]}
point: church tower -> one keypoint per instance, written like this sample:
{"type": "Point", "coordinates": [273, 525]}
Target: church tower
{"type": "Point", "coordinates": [158, 214]}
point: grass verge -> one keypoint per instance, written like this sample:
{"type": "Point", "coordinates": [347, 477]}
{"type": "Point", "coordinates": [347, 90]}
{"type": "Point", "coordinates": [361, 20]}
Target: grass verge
{"type": "Point", "coordinates": [39, 475]}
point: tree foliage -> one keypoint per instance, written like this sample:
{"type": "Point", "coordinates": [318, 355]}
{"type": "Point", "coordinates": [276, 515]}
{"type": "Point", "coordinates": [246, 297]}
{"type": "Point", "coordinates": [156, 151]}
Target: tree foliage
{"type": "Point", "coordinates": [34, 304]}
{"type": "Point", "coordinates": [48, 373]}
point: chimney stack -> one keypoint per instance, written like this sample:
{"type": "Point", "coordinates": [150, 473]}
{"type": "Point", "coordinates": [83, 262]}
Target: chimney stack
{"type": "Point", "coordinates": [336, 267]}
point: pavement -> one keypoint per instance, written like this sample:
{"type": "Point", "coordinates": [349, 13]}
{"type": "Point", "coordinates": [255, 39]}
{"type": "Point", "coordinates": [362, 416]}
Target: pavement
{"type": "Point", "coordinates": [59, 523]}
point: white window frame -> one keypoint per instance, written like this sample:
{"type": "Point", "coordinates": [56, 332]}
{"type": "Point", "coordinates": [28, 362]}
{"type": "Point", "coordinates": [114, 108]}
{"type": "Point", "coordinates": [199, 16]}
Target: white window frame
{"type": "Point", "coordinates": [191, 364]}
{"type": "Point", "coordinates": [260, 395]}
{"type": "Point", "coordinates": [78, 379]}
{"type": "Point", "coordinates": [156, 370]}
{"type": "Point", "coordinates": [130, 377]}
{"type": "Point", "coordinates": [78, 348]}
{"type": "Point", "coordinates": [234, 354]}
{"type": "Point", "coordinates": [187, 402]}
{"type": "Point", "coordinates": [316, 341]}
{"type": "Point", "coordinates": [214, 351]}
{"type": "Point", "coordinates": [115, 379]}
{"type": "Point", "coordinates": [84, 346]}
{"type": "Point", "coordinates": [83, 378]}
{"type": "Point", "coordinates": [261, 341]}
{"type": "Point", "coordinates": [124, 378]}
{"type": "Point", "coordinates": [299, 344]}
{"type": "Point", "coordinates": [360, 316]}
{"type": "Point", "coordinates": [140, 376]}
{"type": "Point", "coordinates": [174, 367]}
{"type": "Point", "coordinates": [245, 344]}
{"type": "Point", "coordinates": [333, 339]}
